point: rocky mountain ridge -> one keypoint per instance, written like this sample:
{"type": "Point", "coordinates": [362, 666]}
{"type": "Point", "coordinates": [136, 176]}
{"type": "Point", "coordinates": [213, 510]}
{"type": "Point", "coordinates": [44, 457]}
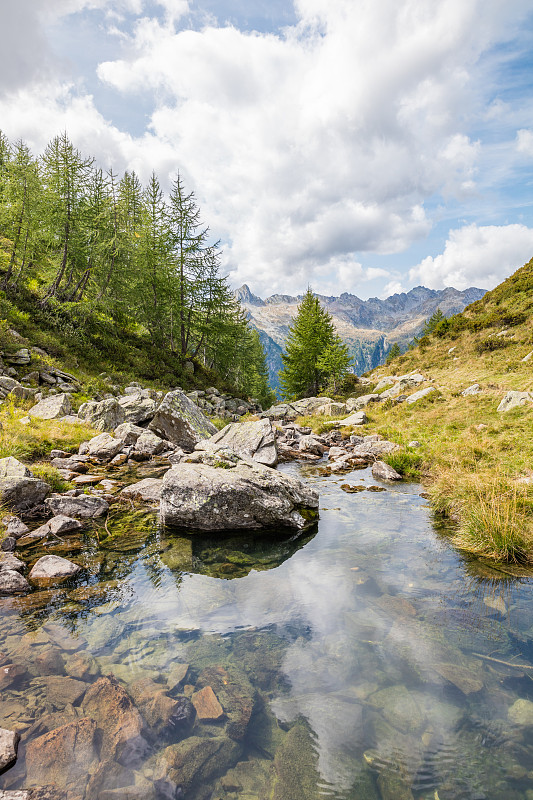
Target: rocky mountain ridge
{"type": "Point", "coordinates": [369, 327]}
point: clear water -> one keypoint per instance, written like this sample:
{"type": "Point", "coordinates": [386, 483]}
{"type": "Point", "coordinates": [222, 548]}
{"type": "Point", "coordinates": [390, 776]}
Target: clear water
{"type": "Point", "coordinates": [380, 663]}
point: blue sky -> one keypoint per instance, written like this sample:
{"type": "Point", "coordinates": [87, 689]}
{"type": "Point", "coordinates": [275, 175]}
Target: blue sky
{"type": "Point", "coordinates": [354, 145]}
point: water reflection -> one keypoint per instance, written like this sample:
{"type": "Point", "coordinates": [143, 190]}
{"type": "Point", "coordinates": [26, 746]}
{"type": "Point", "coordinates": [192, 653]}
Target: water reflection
{"type": "Point", "coordinates": [379, 663]}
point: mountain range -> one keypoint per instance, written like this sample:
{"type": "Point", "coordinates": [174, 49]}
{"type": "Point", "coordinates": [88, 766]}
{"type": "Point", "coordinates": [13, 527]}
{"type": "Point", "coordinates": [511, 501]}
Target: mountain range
{"type": "Point", "coordinates": [369, 327]}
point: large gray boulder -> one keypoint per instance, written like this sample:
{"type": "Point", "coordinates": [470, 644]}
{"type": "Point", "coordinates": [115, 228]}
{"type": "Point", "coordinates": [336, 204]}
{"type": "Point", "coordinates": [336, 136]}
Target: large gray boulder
{"type": "Point", "coordinates": [384, 472]}
{"type": "Point", "coordinates": [105, 415]}
{"type": "Point", "coordinates": [241, 495]}
{"type": "Point", "coordinates": [146, 491]}
{"type": "Point", "coordinates": [254, 439]}
{"type": "Point", "coordinates": [137, 408]}
{"type": "Point", "coordinates": [53, 407]}
{"type": "Point", "coordinates": [22, 493]}
{"type": "Point", "coordinates": [357, 403]}
{"type": "Point", "coordinates": [128, 433]}
{"type": "Point", "coordinates": [515, 400]}
{"type": "Point", "coordinates": [180, 421]}
{"type": "Point", "coordinates": [104, 447]}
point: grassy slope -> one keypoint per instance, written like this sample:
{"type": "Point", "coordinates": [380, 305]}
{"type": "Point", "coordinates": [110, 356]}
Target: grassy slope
{"type": "Point", "coordinates": [472, 457]}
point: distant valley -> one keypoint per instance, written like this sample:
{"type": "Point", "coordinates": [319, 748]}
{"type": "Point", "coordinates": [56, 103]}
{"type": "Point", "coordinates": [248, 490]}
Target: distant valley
{"type": "Point", "coordinates": [369, 327]}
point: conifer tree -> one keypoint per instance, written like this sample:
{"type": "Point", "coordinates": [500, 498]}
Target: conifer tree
{"type": "Point", "coordinates": [334, 361]}
{"type": "Point", "coordinates": [309, 337]}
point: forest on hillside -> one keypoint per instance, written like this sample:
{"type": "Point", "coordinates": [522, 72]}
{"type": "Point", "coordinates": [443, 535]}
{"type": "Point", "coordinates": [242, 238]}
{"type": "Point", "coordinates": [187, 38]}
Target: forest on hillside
{"type": "Point", "coordinates": [84, 246]}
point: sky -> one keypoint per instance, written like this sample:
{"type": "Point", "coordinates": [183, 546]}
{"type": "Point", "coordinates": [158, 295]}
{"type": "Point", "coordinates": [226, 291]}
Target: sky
{"type": "Point", "coordinates": [364, 146]}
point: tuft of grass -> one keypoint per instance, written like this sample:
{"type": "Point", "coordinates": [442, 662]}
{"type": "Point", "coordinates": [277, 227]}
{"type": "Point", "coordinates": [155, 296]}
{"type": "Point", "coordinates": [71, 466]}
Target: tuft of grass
{"type": "Point", "coordinates": [51, 476]}
{"type": "Point", "coordinates": [493, 513]}
{"type": "Point", "coordinates": [407, 462]}
{"type": "Point", "coordinates": [219, 422]}
{"type": "Point", "coordinates": [35, 440]}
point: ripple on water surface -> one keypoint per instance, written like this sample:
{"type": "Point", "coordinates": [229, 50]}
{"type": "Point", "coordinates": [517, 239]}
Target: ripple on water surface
{"type": "Point", "coordinates": [367, 660]}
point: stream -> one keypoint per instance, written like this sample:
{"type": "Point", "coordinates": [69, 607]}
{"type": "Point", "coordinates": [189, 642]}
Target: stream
{"type": "Point", "coordinates": [366, 660]}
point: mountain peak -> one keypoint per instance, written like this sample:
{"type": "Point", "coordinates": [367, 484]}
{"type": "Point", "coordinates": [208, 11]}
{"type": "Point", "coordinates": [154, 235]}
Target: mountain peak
{"type": "Point", "coordinates": [245, 296]}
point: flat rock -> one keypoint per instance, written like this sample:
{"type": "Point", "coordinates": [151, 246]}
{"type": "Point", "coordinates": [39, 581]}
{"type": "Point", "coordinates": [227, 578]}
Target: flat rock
{"type": "Point", "coordinates": [253, 439]}
{"type": "Point", "coordinates": [414, 398]}
{"type": "Point", "coordinates": [146, 491]}
{"type": "Point", "coordinates": [82, 507]}
{"type": "Point", "coordinates": [22, 494]}
{"type": "Point", "coordinates": [12, 468]}
{"type": "Point", "coordinates": [247, 495]}
{"type": "Point", "coordinates": [9, 741]}
{"type": "Point", "coordinates": [208, 709]}
{"type": "Point", "coordinates": [357, 418]}
{"type": "Point", "coordinates": [53, 407]}
{"type": "Point", "coordinates": [9, 561]}
{"type": "Point", "coordinates": [56, 525]}
{"type": "Point", "coordinates": [61, 691]}
{"type": "Point", "coordinates": [383, 472]}
{"type": "Point", "coordinates": [53, 567]}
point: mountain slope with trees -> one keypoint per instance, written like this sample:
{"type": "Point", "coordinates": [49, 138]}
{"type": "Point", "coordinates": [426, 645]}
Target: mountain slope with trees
{"type": "Point", "coordinates": [106, 264]}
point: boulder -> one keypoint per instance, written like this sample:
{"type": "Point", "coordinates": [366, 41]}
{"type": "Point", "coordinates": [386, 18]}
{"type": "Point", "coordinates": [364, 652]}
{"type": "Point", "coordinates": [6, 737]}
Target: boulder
{"type": "Point", "coordinates": [180, 421]}
{"type": "Point", "coordinates": [515, 400]}
{"type": "Point", "coordinates": [82, 507]}
{"type": "Point", "coordinates": [383, 472]}
{"type": "Point", "coordinates": [15, 527]}
{"type": "Point", "coordinates": [63, 757]}
{"type": "Point", "coordinates": [12, 468]}
{"type": "Point", "coordinates": [166, 716]}
{"type": "Point", "coordinates": [53, 407]}
{"type": "Point", "coordinates": [194, 763]}
{"type": "Point", "coordinates": [309, 444]}
{"type": "Point", "coordinates": [332, 409]}
{"type": "Point", "coordinates": [414, 398]}
{"type": "Point", "coordinates": [137, 408]}
{"type": "Point", "coordinates": [357, 403]}
{"type": "Point", "coordinates": [149, 444]}
{"type": "Point", "coordinates": [9, 561]}
{"type": "Point", "coordinates": [245, 495]}
{"type": "Point", "coordinates": [310, 405]}
{"type": "Point", "coordinates": [104, 447]}
{"type": "Point", "coordinates": [254, 439]}
{"type": "Point", "coordinates": [22, 494]}
{"type": "Point", "coordinates": [474, 389]}
{"type": "Point", "coordinates": [281, 411]}
{"type": "Point", "coordinates": [128, 433]}
{"type": "Point", "coordinates": [120, 725]}
{"type": "Point", "coordinates": [146, 491]}
{"type": "Point", "coordinates": [11, 582]}
{"type": "Point", "coordinates": [9, 741]}
{"type": "Point", "coordinates": [105, 415]}
{"type": "Point", "coordinates": [7, 385]}
{"type": "Point", "coordinates": [357, 418]}
{"type": "Point", "coordinates": [385, 382]}
{"type": "Point", "coordinates": [53, 567]}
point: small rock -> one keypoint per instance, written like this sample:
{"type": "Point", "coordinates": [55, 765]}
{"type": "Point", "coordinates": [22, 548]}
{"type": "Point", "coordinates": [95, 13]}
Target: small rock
{"type": "Point", "coordinates": [104, 446]}
{"type": "Point", "coordinates": [8, 544]}
{"type": "Point", "coordinates": [514, 400]}
{"type": "Point", "coordinates": [11, 582]}
{"type": "Point", "coordinates": [9, 561]}
{"type": "Point", "coordinates": [414, 398]}
{"type": "Point", "coordinates": [474, 389]}
{"type": "Point", "coordinates": [12, 468]}
{"type": "Point", "coordinates": [15, 527]}
{"type": "Point", "coordinates": [53, 567]}
{"type": "Point", "coordinates": [521, 713]}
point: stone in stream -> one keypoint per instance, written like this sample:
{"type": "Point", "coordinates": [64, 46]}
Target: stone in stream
{"type": "Point", "coordinates": [82, 507]}
{"type": "Point", "coordinates": [9, 561]}
{"type": "Point", "coordinates": [8, 544]}
{"type": "Point", "coordinates": [208, 709]}
{"type": "Point", "coordinates": [15, 527]}
{"type": "Point", "coordinates": [120, 724]}
{"type": "Point", "coordinates": [253, 439]}
{"type": "Point", "coordinates": [245, 495]}
{"type": "Point", "coordinates": [295, 765]}
{"type": "Point", "coordinates": [180, 421]}
{"type": "Point", "coordinates": [22, 494]}
{"type": "Point", "coordinates": [383, 472]}
{"type": "Point", "coordinates": [193, 763]}
{"type": "Point", "coordinates": [56, 525]}
{"type": "Point", "coordinates": [166, 716]}
{"type": "Point", "coordinates": [53, 407]}
{"type": "Point", "coordinates": [236, 694]}
{"type": "Point", "coordinates": [9, 741]}
{"type": "Point", "coordinates": [63, 757]}
{"type": "Point", "coordinates": [49, 568]}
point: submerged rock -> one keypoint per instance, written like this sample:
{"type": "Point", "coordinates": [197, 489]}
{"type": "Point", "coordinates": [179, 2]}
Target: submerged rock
{"type": "Point", "coordinates": [295, 764]}
{"type": "Point", "coordinates": [180, 421]}
{"type": "Point", "coordinates": [234, 691]}
{"type": "Point", "coordinates": [254, 439]}
{"type": "Point", "coordinates": [63, 757]}
{"type": "Point", "coordinates": [246, 495]}
{"type": "Point", "coordinates": [195, 762]}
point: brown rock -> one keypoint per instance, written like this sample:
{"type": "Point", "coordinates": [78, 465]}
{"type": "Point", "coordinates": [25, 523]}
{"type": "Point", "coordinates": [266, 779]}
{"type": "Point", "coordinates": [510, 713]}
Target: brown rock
{"type": "Point", "coordinates": [164, 714]}
{"type": "Point", "coordinates": [61, 691]}
{"type": "Point", "coordinates": [466, 680]}
{"type": "Point", "coordinates": [208, 709]}
{"type": "Point", "coordinates": [63, 757]}
{"type": "Point", "coordinates": [10, 674]}
{"type": "Point", "coordinates": [176, 676]}
{"type": "Point", "coordinates": [50, 662]}
{"type": "Point", "coordinates": [234, 692]}
{"type": "Point", "coordinates": [65, 640]}
{"type": "Point", "coordinates": [118, 720]}
{"type": "Point", "coordinates": [82, 666]}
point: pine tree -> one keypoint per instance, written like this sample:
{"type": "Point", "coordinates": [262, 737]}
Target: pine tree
{"type": "Point", "coordinates": [431, 323]}
{"type": "Point", "coordinates": [394, 352]}
{"type": "Point", "coordinates": [334, 362]}
{"type": "Point", "coordinates": [309, 337]}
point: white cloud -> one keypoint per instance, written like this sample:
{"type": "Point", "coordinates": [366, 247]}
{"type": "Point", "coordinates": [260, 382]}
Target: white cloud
{"type": "Point", "coordinates": [476, 256]}
{"type": "Point", "coordinates": [524, 142]}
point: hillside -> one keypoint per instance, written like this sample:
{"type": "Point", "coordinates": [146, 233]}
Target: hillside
{"type": "Point", "coordinates": [369, 327]}
{"type": "Point", "coordinates": [476, 455]}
